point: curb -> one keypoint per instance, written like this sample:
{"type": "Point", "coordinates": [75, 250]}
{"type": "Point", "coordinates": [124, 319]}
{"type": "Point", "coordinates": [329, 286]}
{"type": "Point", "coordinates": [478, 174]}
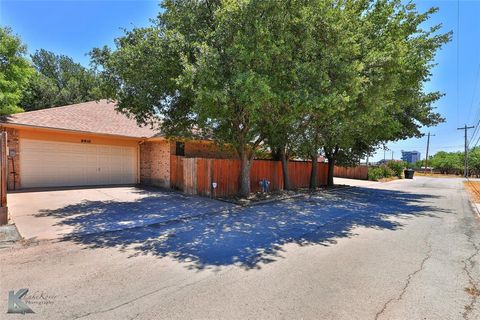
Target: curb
{"type": "Point", "coordinates": [470, 196]}
{"type": "Point", "coordinates": [475, 208]}
{"type": "Point", "coordinates": [11, 233]}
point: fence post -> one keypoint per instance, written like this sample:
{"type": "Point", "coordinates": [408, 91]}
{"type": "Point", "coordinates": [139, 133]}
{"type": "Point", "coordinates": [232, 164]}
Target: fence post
{"type": "Point", "coordinates": [3, 179]}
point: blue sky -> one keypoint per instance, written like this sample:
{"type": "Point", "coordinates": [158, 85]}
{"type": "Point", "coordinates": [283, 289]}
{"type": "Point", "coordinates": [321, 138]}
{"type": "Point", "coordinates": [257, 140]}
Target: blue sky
{"type": "Point", "coordinates": [74, 27]}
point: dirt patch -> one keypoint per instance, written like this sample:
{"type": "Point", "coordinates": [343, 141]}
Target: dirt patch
{"type": "Point", "coordinates": [473, 188]}
{"type": "Point", "coordinates": [436, 175]}
{"type": "Point", "coordinates": [388, 179]}
{"type": "Point", "coordinates": [260, 197]}
{"type": "Point", "coordinates": [473, 291]}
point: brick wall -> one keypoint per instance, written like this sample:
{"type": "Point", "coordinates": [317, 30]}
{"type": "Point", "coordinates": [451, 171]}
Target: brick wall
{"type": "Point", "coordinates": [155, 163]}
{"type": "Point", "coordinates": [205, 149]}
{"type": "Point", "coordinates": [13, 167]}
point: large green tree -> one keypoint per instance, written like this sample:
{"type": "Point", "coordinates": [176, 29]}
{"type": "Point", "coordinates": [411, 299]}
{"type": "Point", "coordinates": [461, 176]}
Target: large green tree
{"type": "Point", "coordinates": [447, 162]}
{"type": "Point", "coordinates": [332, 75]}
{"type": "Point", "coordinates": [474, 161]}
{"type": "Point", "coordinates": [394, 59]}
{"type": "Point", "coordinates": [309, 76]}
{"type": "Point", "coordinates": [209, 67]}
{"type": "Point", "coordinates": [15, 71]}
{"type": "Point", "coordinates": [58, 81]}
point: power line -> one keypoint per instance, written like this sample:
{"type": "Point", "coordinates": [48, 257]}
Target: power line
{"type": "Point", "coordinates": [474, 92]}
{"type": "Point", "coordinates": [476, 143]}
{"type": "Point", "coordinates": [478, 138]}
{"type": "Point", "coordinates": [474, 95]}
{"type": "Point", "coordinates": [421, 147]}
{"type": "Point", "coordinates": [477, 124]}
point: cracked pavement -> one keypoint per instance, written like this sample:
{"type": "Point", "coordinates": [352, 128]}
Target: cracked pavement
{"type": "Point", "coordinates": [428, 255]}
{"type": "Point", "coordinates": [410, 266]}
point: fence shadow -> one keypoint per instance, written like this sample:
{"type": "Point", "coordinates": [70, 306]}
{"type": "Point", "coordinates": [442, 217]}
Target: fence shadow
{"type": "Point", "coordinates": [206, 233]}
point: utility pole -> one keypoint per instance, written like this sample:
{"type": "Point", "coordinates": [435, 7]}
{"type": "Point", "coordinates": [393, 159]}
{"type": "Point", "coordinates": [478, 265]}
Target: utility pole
{"type": "Point", "coordinates": [384, 152]}
{"type": "Point", "coordinates": [392, 155]}
{"type": "Point", "coordinates": [426, 157]}
{"type": "Point", "coordinates": [466, 148]}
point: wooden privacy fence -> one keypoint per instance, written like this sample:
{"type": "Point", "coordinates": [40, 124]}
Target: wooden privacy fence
{"type": "Point", "coordinates": [358, 172]}
{"type": "Point", "coordinates": [196, 175]}
{"type": "Point", "coordinates": [3, 179]}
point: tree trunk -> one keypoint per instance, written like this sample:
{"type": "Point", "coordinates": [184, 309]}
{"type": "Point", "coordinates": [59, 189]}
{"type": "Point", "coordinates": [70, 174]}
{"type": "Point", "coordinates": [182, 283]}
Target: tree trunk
{"type": "Point", "coordinates": [331, 167]}
{"type": "Point", "coordinates": [245, 163]}
{"type": "Point", "coordinates": [286, 178]}
{"type": "Point", "coordinates": [277, 154]}
{"type": "Point", "coordinates": [330, 154]}
{"type": "Point", "coordinates": [313, 173]}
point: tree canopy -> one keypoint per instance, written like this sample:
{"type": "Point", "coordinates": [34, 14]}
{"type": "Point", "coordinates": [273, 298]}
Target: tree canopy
{"type": "Point", "coordinates": [58, 81]}
{"type": "Point", "coordinates": [474, 161]}
{"type": "Point", "coordinates": [15, 70]}
{"type": "Point", "coordinates": [304, 77]}
{"type": "Point", "coordinates": [384, 98]}
{"type": "Point", "coordinates": [447, 162]}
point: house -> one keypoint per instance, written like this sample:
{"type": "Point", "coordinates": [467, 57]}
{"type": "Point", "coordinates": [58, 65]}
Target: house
{"type": "Point", "coordinates": [91, 144]}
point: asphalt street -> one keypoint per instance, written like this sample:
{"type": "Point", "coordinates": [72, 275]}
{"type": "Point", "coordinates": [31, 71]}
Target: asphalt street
{"type": "Point", "coordinates": [405, 249]}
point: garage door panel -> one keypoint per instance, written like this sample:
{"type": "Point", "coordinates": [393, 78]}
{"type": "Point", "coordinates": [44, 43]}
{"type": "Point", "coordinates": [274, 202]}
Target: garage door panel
{"type": "Point", "coordinates": [55, 164]}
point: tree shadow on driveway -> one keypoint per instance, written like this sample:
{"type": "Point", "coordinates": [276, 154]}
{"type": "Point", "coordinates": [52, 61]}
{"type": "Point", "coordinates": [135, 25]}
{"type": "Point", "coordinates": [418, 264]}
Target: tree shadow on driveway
{"type": "Point", "coordinates": [207, 233]}
{"type": "Point", "coordinates": [153, 207]}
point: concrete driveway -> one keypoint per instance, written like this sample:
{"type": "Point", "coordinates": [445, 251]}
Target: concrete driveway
{"type": "Point", "coordinates": [399, 250]}
{"type": "Point", "coordinates": [57, 214]}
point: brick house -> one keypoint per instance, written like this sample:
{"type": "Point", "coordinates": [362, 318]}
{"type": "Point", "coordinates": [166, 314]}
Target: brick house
{"type": "Point", "coordinates": [91, 144]}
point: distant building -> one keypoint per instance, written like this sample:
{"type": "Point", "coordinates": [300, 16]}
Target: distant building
{"type": "Point", "coordinates": [411, 156]}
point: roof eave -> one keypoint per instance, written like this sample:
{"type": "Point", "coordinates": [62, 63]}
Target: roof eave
{"type": "Point", "coordinates": [52, 129]}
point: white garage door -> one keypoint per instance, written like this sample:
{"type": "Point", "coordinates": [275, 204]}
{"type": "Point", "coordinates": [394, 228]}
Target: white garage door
{"type": "Point", "coordinates": [58, 164]}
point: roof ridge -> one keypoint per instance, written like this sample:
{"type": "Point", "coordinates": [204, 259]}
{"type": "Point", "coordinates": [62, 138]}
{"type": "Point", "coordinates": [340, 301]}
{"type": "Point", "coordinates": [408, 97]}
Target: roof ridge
{"type": "Point", "coordinates": [59, 107]}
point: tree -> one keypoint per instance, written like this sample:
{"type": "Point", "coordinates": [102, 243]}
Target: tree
{"type": "Point", "coordinates": [447, 162]}
{"type": "Point", "coordinates": [474, 161]}
{"type": "Point", "coordinates": [329, 72]}
{"type": "Point", "coordinates": [282, 123]}
{"type": "Point", "coordinates": [15, 71]}
{"type": "Point", "coordinates": [419, 164]}
{"type": "Point", "coordinates": [205, 68]}
{"type": "Point", "coordinates": [340, 77]}
{"type": "Point", "coordinates": [394, 58]}
{"type": "Point", "coordinates": [58, 81]}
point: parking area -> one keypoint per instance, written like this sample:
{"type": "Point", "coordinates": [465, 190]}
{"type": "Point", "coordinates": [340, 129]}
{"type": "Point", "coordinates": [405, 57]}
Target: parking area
{"type": "Point", "coordinates": [397, 250]}
{"type": "Point", "coordinates": [201, 231]}
{"type": "Point", "coordinates": [55, 214]}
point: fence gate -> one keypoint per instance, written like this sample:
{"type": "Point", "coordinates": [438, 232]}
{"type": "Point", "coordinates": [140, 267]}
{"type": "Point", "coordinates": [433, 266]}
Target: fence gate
{"type": "Point", "coordinates": [3, 179]}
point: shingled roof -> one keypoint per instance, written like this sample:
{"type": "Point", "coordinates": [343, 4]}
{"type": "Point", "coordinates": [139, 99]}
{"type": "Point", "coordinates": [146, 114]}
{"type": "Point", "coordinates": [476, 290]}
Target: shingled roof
{"type": "Point", "coordinates": [92, 117]}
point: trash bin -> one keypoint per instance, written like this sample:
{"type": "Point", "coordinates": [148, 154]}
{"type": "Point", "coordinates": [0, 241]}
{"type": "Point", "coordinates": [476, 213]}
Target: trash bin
{"type": "Point", "coordinates": [408, 173]}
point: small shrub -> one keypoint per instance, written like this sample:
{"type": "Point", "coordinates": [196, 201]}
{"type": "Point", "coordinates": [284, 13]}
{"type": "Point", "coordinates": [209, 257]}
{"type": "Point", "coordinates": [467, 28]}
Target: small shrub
{"type": "Point", "coordinates": [397, 167]}
{"type": "Point", "coordinates": [377, 173]}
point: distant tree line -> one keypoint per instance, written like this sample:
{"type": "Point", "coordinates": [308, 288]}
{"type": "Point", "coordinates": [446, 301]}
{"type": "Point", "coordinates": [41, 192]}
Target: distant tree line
{"type": "Point", "coordinates": [453, 162]}
{"type": "Point", "coordinates": [58, 81]}
{"type": "Point", "coordinates": [43, 80]}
